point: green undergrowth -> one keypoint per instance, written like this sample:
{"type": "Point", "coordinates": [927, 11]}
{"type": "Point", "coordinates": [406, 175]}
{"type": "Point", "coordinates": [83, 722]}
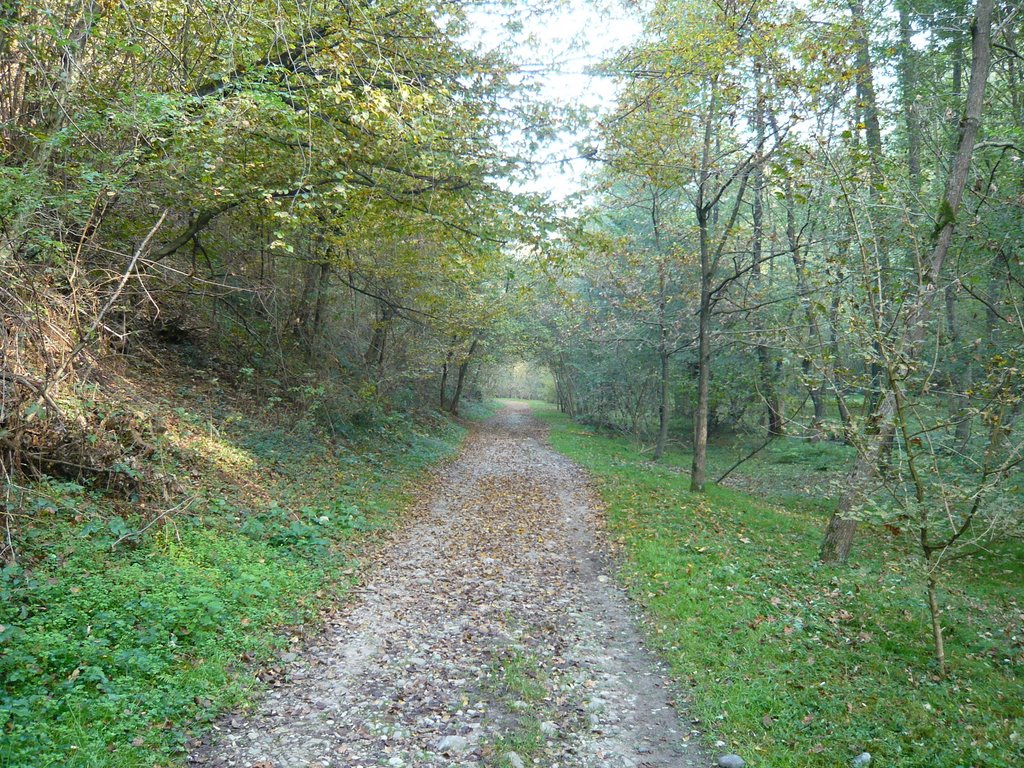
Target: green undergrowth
{"type": "Point", "coordinates": [117, 641]}
{"type": "Point", "coordinates": [479, 410]}
{"type": "Point", "coordinates": [798, 665]}
{"type": "Point", "coordinates": [521, 682]}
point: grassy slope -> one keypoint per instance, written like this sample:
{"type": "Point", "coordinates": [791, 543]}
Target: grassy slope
{"type": "Point", "coordinates": [111, 655]}
{"type": "Point", "coordinates": [795, 664]}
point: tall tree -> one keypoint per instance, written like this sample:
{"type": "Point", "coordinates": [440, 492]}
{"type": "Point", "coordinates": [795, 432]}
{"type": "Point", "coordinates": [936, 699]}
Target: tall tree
{"type": "Point", "coordinates": [904, 349]}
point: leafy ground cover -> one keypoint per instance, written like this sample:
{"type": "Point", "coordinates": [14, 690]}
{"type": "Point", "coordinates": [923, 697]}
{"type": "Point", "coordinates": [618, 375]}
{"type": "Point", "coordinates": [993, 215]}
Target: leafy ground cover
{"type": "Point", "coordinates": [117, 639]}
{"type": "Point", "coordinates": [794, 664]}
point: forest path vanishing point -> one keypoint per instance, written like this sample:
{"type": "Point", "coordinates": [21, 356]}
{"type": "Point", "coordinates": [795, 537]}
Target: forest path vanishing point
{"type": "Point", "coordinates": [490, 634]}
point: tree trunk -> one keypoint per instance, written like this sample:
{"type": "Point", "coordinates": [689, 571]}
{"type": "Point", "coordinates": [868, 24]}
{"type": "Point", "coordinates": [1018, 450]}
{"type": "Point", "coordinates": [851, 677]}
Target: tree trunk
{"type": "Point", "coordinates": [864, 80]}
{"type": "Point", "coordinates": [698, 470]}
{"type": "Point", "coordinates": [817, 394]}
{"type": "Point", "coordinates": [960, 374]}
{"type": "Point", "coordinates": [767, 373]}
{"type": "Point", "coordinates": [814, 333]}
{"type": "Point", "coordinates": [839, 533]}
{"type": "Point", "coordinates": [374, 356]}
{"type": "Point", "coordinates": [704, 208]}
{"type": "Point", "coordinates": [570, 392]}
{"type": "Point", "coordinates": [444, 378]}
{"type": "Point", "coordinates": [936, 616]}
{"type": "Point", "coordinates": [323, 283]}
{"type": "Point", "coordinates": [908, 88]}
{"type": "Point", "coordinates": [765, 369]}
{"type": "Point", "coordinates": [868, 103]}
{"type": "Point", "coordinates": [460, 380]}
{"type": "Point", "coordinates": [663, 414]}
{"type": "Point", "coordinates": [663, 350]}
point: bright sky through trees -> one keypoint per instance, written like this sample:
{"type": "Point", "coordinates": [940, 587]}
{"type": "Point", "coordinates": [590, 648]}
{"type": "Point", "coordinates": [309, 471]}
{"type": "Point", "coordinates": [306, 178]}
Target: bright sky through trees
{"type": "Point", "coordinates": [557, 47]}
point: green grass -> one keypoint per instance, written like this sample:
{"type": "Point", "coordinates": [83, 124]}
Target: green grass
{"type": "Point", "coordinates": [521, 677]}
{"type": "Point", "coordinates": [112, 654]}
{"type": "Point", "coordinates": [522, 685]}
{"type": "Point", "coordinates": [526, 740]}
{"type": "Point", "coordinates": [797, 665]}
{"type": "Point", "coordinates": [479, 410]}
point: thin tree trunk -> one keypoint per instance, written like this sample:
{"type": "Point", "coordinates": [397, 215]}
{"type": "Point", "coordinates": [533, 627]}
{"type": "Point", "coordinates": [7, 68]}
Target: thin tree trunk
{"type": "Point", "coordinates": [845, 417]}
{"type": "Point", "coordinates": [570, 390]}
{"type": "Point", "coordinates": [936, 616]}
{"type": "Point", "coordinates": [461, 379]}
{"type": "Point", "coordinates": [908, 88]}
{"type": "Point", "coordinates": [868, 103]}
{"type": "Point", "coordinates": [698, 470]}
{"type": "Point", "coordinates": [444, 378]}
{"type": "Point", "coordinates": [766, 371]}
{"type": "Point", "coordinates": [323, 283]}
{"type": "Point", "coordinates": [817, 394]}
{"type": "Point", "coordinates": [663, 352]}
{"type": "Point", "coordinates": [374, 356]}
{"type": "Point", "coordinates": [960, 374]}
{"type": "Point", "coordinates": [659, 448]}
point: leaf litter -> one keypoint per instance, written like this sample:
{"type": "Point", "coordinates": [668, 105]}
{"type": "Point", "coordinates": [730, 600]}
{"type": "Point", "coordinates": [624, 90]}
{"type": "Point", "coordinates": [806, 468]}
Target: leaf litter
{"type": "Point", "coordinates": [501, 560]}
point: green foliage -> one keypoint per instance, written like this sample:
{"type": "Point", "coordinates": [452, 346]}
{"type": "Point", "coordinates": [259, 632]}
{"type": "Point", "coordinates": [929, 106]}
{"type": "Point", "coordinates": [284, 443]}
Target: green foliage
{"type": "Point", "coordinates": [113, 655]}
{"type": "Point", "coordinates": [120, 656]}
{"type": "Point", "coordinates": [809, 666]}
{"type": "Point", "coordinates": [946, 217]}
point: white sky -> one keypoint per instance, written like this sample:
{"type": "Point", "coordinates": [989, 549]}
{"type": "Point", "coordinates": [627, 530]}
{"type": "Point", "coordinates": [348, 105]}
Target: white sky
{"type": "Point", "coordinates": [557, 45]}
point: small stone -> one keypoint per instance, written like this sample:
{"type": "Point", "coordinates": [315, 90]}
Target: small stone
{"type": "Point", "coordinates": [289, 657]}
{"type": "Point", "coordinates": [731, 761]}
{"type": "Point", "coordinates": [549, 729]}
{"type": "Point", "coordinates": [514, 760]}
{"type": "Point", "coordinates": [452, 744]}
{"type": "Point", "coordinates": [861, 760]}
{"type": "Point", "coordinates": [396, 762]}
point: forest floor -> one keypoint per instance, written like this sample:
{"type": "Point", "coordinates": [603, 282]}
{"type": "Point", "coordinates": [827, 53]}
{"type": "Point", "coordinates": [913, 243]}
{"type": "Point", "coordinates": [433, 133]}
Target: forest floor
{"type": "Point", "coordinates": [488, 633]}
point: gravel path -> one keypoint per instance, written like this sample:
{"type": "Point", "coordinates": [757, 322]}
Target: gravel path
{"type": "Point", "coordinates": [490, 635]}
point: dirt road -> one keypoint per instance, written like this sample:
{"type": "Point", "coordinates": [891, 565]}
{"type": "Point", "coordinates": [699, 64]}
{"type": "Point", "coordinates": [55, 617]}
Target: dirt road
{"type": "Point", "coordinates": [491, 634]}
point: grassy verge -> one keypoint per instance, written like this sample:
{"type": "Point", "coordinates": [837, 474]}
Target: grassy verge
{"type": "Point", "coordinates": [116, 643]}
{"type": "Point", "coordinates": [798, 665]}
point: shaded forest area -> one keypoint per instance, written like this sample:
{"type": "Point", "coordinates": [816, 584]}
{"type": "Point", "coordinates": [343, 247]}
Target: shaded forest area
{"type": "Point", "coordinates": [254, 257]}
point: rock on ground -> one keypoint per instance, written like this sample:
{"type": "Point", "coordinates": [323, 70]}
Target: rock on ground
{"type": "Point", "coordinates": [489, 628]}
